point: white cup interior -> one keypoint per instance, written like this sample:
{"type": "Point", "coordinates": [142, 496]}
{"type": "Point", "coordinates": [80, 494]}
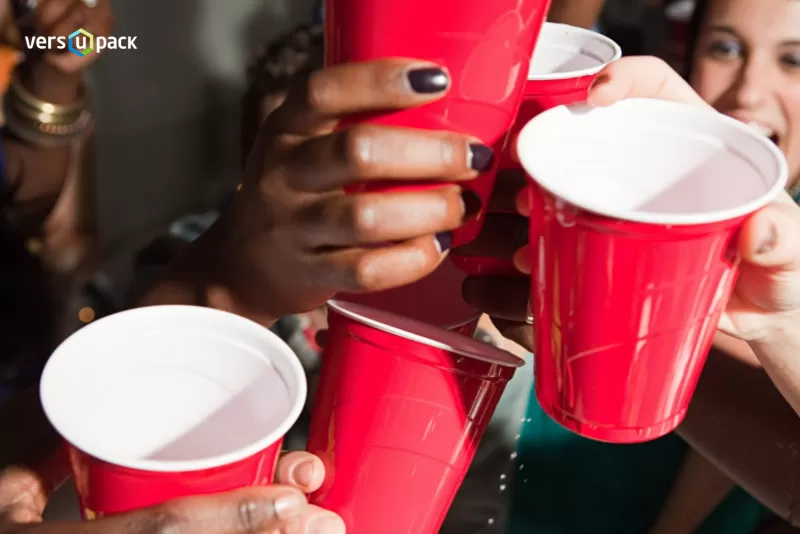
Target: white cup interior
{"type": "Point", "coordinates": [652, 161]}
{"type": "Point", "coordinates": [173, 388]}
{"type": "Point", "coordinates": [564, 51]}
{"type": "Point", "coordinates": [425, 334]}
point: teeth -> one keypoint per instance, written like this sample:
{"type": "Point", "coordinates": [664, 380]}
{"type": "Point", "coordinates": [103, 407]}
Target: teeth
{"type": "Point", "coordinates": [764, 130]}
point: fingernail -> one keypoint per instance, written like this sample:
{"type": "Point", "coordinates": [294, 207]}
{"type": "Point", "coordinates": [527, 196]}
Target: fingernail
{"type": "Point", "coordinates": [480, 157]}
{"type": "Point", "coordinates": [428, 80]}
{"type": "Point", "coordinates": [768, 240]}
{"type": "Point", "coordinates": [444, 240]}
{"type": "Point", "coordinates": [303, 474]}
{"type": "Point", "coordinates": [325, 524]}
{"type": "Point", "coordinates": [600, 80]}
{"type": "Point", "coordinates": [472, 203]}
{"type": "Point", "coordinates": [289, 505]}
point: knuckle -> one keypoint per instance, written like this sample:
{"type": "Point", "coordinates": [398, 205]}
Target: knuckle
{"type": "Point", "coordinates": [320, 91]}
{"type": "Point", "coordinates": [655, 62]}
{"type": "Point", "coordinates": [161, 520]}
{"type": "Point", "coordinates": [363, 218]}
{"type": "Point", "coordinates": [365, 275]}
{"type": "Point", "coordinates": [251, 515]}
{"type": "Point", "coordinates": [358, 149]}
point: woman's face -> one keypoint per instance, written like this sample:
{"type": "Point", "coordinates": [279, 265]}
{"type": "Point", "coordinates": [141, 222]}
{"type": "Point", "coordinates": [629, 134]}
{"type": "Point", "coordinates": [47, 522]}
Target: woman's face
{"type": "Point", "coordinates": [747, 65]}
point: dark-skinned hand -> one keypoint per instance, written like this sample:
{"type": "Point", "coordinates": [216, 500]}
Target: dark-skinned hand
{"type": "Point", "coordinates": [293, 238]}
{"type": "Point", "coordinates": [278, 509]}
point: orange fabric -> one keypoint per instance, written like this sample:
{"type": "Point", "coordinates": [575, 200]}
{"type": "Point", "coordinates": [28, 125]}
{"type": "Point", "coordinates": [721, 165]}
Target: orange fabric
{"type": "Point", "coordinates": [8, 60]}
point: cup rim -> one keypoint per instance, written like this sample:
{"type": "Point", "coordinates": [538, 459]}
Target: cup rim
{"type": "Point", "coordinates": [541, 126]}
{"type": "Point", "coordinates": [426, 334]}
{"type": "Point", "coordinates": [462, 322]}
{"type": "Point", "coordinates": [566, 29]}
{"type": "Point", "coordinates": [180, 466]}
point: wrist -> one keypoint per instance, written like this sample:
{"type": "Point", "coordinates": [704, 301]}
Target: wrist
{"type": "Point", "coordinates": [228, 275]}
{"type": "Point", "coordinates": [784, 335]}
{"type": "Point", "coordinates": [50, 84]}
{"type": "Point", "coordinates": [208, 273]}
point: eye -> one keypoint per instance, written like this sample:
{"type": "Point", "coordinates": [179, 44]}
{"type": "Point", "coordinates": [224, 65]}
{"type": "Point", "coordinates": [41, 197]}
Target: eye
{"type": "Point", "coordinates": [724, 49]}
{"type": "Point", "coordinates": [791, 60]}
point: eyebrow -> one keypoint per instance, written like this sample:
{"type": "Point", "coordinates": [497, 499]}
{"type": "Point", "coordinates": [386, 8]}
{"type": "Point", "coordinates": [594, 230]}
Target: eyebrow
{"type": "Point", "coordinates": [724, 28]}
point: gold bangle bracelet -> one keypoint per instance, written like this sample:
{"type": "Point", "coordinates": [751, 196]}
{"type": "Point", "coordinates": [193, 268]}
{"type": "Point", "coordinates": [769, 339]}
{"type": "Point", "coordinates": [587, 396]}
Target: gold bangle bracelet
{"type": "Point", "coordinates": [41, 134]}
{"type": "Point", "coordinates": [41, 105]}
{"type": "Point", "coordinates": [18, 105]}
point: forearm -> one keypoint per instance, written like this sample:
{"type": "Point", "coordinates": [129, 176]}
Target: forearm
{"type": "Point", "coordinates": [37, 173]}
{"type": "Point", "coordinates": [780, 357]}
{"type": "Point", "coordinates": [700, 487]}
{"type": "Point", "coordinates": [581, 13]}
{"type": "Point", "coordinates": [742, 424]}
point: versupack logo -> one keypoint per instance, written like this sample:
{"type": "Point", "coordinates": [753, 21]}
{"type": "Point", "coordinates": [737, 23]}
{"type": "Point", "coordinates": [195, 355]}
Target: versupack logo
{"type": "Point", "coordinates": [81, 43]}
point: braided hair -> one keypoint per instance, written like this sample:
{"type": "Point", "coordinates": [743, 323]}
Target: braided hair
{"type": "Point", "coordinates": [276, 65]}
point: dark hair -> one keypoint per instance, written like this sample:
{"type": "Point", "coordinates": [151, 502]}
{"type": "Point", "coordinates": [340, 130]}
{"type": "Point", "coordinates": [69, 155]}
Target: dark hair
{"type": "Point", "coordinates": [693, 35]}
{"type": "Point", "coordinates": [276, 65]}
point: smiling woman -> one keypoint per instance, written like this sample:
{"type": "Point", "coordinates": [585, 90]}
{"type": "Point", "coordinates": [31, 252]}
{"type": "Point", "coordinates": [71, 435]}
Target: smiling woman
{"type": "Point", "coordinates": [746, 63]}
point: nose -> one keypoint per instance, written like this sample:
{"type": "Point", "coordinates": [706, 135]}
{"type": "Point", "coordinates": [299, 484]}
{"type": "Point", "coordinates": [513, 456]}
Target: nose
{"type": "Point", "coordinates": [752, 85]}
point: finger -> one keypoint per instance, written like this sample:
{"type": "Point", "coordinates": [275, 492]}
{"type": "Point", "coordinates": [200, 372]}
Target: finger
{"type": "Point", "coordinates": [352, 88]}
{"type": "Point", "coordinates": [317, 521]}
{"type": "Point", "coordinates": [641, 77]}
{"type": "Point", "coordinates": [523, 260]}
{"type": "Point", "coordinates": [358, 270]}
{"type": "Point", "coordinates": [771, 237]}
{"type": "Point", "coordinates": [508, 185]}
{"type": "Point", "coordinates": [519, 333]}
{"type": "Point", "coordinates": [50, 13]}
{"type": "Point", "coordinates": [302, 470]}
{"type": "Point", "coordinates": [523, 202]}
{"type": "Point", "coordinates": [368, 218]}
{"type": "Point", "coordinates": [23, 495]}
{"type": "Point", "coordinates": [71, 21]}
{"type": "Point", "coordinates": [251, 510]}
{"type": "Point", "coordinates": [368, 152]}
{"type": "Point", "coordinates": [501, 236]}
{"type": "Point", "coordinates": [99, 19]}
{"type": "Point", "coordinates": [505, 297]}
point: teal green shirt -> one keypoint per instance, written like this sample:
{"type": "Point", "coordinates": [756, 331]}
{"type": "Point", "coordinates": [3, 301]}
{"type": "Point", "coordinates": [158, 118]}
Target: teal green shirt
{"type": "Point", "coordinates": [565, 484]}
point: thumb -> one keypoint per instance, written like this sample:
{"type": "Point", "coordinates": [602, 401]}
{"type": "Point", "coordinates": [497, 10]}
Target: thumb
{"type": "Point", "coordinates": [641, 77]}
{"type": "Point", "coordinates": [770, 248]}
{"type": "Point", "coordinates": [771, 237]}
{"type": "Point", "coordinates": [23, 496]}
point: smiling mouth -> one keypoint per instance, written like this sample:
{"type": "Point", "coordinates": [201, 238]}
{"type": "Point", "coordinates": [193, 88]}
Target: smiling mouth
{"type": "Point", "coordinates": [768, 132]}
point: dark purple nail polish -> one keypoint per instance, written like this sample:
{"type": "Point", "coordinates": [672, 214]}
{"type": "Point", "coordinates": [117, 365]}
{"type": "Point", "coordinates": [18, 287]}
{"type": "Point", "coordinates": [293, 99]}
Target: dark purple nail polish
{"type": "Point", "coordinates": [444, 241]}
{"type": "Point", "coordinates": [472, 203]}
{"type": "Point", "coordinates": [428, 81]}
{"type": "Point", "coordinates": [481, 157]}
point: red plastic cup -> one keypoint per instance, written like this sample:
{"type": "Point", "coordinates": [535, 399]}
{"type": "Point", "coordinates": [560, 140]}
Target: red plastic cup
{"type": "Point", "coordinates": [165, 402]}
{"type": "Point", "coordinates": [565, 63]}
{"type": "Point", "coordinates": [486, 47]}
{"type": "Point", "coordinates": [398, 416]}
{"type": "Point", "coordinates": [435, 300]}
{"type": "Point", "coordinates": [635, 211]}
